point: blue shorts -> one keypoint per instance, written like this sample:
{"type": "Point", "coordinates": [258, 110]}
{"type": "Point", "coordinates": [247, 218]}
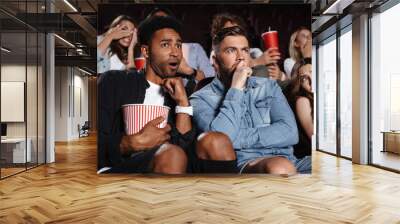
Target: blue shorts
{"type": "Point", "coordinates": [245, 156]}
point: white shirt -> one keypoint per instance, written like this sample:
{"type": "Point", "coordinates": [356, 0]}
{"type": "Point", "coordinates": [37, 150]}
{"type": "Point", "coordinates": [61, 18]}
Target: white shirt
{"type": "Point", "coordinates": [288, 66]}
{"type": "Point", "coordinates": [196, 58]}
{"type": "Point", "coordinates": [154, 95]}
{"type": "Point", "coordinates": [116, 64]}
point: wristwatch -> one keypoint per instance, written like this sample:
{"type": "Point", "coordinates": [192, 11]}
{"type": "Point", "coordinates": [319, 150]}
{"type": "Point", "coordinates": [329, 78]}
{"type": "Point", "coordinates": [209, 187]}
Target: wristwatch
{"type": "Point", "coordinates": [184, 110]}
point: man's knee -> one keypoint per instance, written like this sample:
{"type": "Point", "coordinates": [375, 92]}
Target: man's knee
{"type": "Point", "coordinates": [279, 166]}
{"type": "Point", "coordinates": [215, 146]}
{"type": "Point", "coordinates": [170, 159]}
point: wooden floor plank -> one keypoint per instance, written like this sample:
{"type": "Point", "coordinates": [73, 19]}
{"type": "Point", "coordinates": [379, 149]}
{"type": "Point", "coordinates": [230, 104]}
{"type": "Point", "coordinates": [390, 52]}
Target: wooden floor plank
{"type": "Point", "coordinates": [70, 191]}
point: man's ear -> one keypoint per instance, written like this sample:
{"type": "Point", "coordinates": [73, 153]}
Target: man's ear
{"type": "Point", "coordinates": [215, 62]}
{"type": "Point", "coordinates": [144, 49]}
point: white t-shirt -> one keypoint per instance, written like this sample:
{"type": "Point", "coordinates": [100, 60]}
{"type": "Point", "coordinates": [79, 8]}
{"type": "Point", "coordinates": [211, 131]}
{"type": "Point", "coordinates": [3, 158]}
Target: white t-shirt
{"type": "Point", "coordinates": [116, 64]}
{"type": "Point", "coordinates": [154, 95]}
{"type": "Point", "coordinates": [288, 66]}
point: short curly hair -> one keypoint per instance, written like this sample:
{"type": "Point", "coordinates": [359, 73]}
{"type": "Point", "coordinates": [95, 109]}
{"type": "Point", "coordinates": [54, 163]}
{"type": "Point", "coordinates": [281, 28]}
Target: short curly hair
{"type": "Point", "coordinates": [220, 19]}
{"type": "Point", "coordinates": [151, 25]}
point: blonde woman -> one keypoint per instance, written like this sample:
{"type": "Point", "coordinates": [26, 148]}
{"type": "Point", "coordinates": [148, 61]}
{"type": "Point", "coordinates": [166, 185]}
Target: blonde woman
{"type": "Point", "coordinates": [299, 48]}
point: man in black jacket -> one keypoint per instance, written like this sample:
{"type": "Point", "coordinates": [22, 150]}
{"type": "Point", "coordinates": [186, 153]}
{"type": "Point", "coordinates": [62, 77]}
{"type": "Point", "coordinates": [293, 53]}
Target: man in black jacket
{"type": "Point", "coordinates": [172, 149]}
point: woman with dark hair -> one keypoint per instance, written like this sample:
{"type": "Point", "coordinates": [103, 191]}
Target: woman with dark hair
{"type": "Point", "coordinates": [300, 97]}
{"type": "Point", "coordinates": [115, 47]}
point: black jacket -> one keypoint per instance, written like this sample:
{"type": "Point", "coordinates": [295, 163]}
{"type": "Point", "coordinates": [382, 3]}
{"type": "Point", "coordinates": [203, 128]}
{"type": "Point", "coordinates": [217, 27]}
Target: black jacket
{"type": "Point", "coordinates": [116, 88]}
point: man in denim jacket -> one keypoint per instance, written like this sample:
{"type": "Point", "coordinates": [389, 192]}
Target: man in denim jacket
{"type": "Point", "coordinates": [252, 111]}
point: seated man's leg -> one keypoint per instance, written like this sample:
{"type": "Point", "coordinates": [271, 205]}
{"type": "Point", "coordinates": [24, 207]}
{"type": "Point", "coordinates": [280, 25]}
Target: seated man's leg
{"type": "Point", "coordinates": [215, 146]}
{"type": "Point", "coordinates": [169, 159]}
{"type": "Point", "coordinates": [272, 165]}
{"type": "Point", "coordinates": [216, 153]}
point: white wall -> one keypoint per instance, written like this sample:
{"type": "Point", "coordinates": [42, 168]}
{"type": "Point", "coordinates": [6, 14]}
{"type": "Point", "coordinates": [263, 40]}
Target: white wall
{"type": "Point", "coordinates": [33, 127]}
{"type": "Point", "coordinates": [13, 73]}
{"type": "Point", "coordinates": [61, 103]}
{"type": "Point", "coordinates": [71, 94]}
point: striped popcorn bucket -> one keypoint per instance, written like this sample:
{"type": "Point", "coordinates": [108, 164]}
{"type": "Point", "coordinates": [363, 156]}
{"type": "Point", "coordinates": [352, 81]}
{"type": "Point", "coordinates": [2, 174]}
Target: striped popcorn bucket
{"type": "Point", "coordinates": [136, 116]}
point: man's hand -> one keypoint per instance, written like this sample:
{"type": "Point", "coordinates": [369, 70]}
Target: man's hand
{"type": "Point", "coordinates": [200, 75]}
{"type": "Point", "coordinates": [271, 56]}
{"type": "Point", "coordinates": [184, 68]}
{"type": "Point", "coordinates": [274, 72]}
{"type": "Point", "coordinates": [240, 76]}
{"type": "Point", "coordinates": [175, 88]}
{"type": "Point", "coordinates": [149, 137]}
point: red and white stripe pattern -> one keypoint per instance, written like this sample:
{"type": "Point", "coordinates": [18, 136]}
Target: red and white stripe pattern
{"type": "Point", "coordinates": [136, 116]}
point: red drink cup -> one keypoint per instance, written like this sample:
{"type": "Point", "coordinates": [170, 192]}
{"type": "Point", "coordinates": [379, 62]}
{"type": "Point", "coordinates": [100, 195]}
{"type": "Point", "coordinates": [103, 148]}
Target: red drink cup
{"type": "Point", "coordinates": [270, 39]}
{"type": "Point", "coordinates": [139, 63]}
{"type": "Point", "coordinates": [136, 116]}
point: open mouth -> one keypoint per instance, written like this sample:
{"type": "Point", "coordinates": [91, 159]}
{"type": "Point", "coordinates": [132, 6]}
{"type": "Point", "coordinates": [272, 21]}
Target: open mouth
{"type": "Point", "coordinates": [173, 65]}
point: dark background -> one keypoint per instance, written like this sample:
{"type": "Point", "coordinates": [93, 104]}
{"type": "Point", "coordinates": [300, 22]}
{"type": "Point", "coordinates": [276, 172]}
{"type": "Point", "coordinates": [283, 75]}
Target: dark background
{"type": "Point", "coordinates": [197, 19]}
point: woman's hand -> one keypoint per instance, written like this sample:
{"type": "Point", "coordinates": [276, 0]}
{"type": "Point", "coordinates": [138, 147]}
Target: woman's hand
{"type": "Point", "coordinates": [133, 40]}
{"type": "Point", "coordinates": [118, 32]}
{"type": "Point", "coordinates": [306, 50]}
{"type": "Point", "coordinates": [130, 60]}
{"type": "Point", "coordinates": [114, 33]}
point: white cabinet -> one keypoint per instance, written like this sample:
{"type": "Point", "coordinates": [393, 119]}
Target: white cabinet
{"type": "Point", "coordinates": [15, 148]}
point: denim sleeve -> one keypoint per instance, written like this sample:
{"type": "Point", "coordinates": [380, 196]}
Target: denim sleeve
{"type": "Point", "coordinates": [203, 62]}
{"type": "Point", "coordinates": [103, 61]}
{"type": "Point", "coordinates": [281, 133]}
{"type": "Point", "coordinates": [225, 119]}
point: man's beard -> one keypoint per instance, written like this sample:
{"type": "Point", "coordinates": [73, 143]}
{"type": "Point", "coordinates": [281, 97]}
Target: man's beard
{"type": "Point", "coordinates": [225, 74]}
{"type": "Point", "coordinates": [157, 68]}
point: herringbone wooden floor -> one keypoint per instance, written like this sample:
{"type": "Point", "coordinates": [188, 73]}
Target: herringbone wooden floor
{"type": "Point", "coordinates": [70, 191]}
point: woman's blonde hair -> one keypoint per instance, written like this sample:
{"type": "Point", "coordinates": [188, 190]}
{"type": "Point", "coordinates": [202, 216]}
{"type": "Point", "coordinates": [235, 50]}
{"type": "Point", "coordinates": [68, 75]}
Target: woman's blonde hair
{"type": "Point", "coordinates": [294, 52]}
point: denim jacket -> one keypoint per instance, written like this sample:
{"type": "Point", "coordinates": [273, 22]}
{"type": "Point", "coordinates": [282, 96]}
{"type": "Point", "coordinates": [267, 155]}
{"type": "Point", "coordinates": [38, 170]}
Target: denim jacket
{"type": "Point", "coordinates": [257, 118]}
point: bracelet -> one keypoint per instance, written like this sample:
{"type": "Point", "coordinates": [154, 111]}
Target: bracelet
{"type": "Point", "coordinates": [184, 110]}
{"type": "Point", "coordinates": [307, 60]}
